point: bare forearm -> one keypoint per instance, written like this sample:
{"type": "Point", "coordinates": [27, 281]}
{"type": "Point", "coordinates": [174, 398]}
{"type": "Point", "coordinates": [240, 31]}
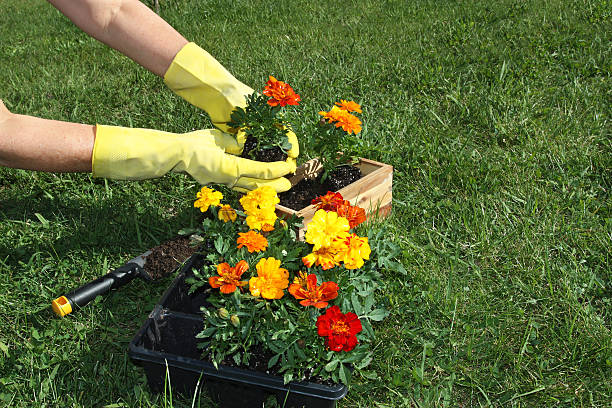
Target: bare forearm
{"type": "Point", "coordinates": [33, 143]}
{"type": "Point", "coordinates": [128, 26]}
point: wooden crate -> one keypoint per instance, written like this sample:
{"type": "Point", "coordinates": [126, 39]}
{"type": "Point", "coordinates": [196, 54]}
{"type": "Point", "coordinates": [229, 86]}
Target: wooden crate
{"type": "Point", "coordinates": [372, 192]}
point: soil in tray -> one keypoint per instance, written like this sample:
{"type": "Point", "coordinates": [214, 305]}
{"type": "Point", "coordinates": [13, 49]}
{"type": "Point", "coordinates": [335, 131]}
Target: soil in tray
{"type": "Point", "coordinates": [263, 155]}
{"type": "Point", "coordinates": [302, 194]}
{"type": "Point", "coordinates": [165, 258]}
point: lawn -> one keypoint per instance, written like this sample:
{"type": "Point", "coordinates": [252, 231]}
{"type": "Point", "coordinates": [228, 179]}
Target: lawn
{"type": "Point", "coordinates": [496, 117]}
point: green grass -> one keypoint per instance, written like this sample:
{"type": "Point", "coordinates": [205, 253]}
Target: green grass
{"type": "Point", "coordinates": [496, 116]}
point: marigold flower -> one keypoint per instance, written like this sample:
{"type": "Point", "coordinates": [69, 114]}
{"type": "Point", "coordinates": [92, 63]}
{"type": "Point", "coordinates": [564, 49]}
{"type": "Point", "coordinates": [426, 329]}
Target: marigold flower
{"type": "Point", "coordinates": [253, 241]}
{"type": "Point", "coordinates": [300, 279]}
{"type": "Point", "coordinates": [260, 218]}
{"type": "Point", "coordinates": [267, 227]}
{"type": "Point", "coordinates": [271, 279]}
{"type": "Point", "coordinates": [313, 294]}
{"type": "Point", "coordinates": [342, 118]}
{"type": "Point", "coordinates": [349, 123]}
{"type": "Point", "coordinates": [349, 106]}
{"type": "Point", "coordinates": [207, 197]}
{"type": "Point", "coordinates": [229, 277]}
{"type": "Point", "coordinates": [326, 257]}
{"type": "Point", "coordinates": [354, 214]}
{"type": "Point", "coordinates": [328, 202]}
{"type": "Point", "coordinates": [261, 198]}
{"type": "Point", "coordinates": [339, 329]}
{"type": "Point", "coordinates": [355, 250]}
{"type": "Point", "coordinates": [333, 114]}
{"type": "Point", "coordinates": [324, 228]}
{"type": "Point", "coordinates": [227, 213]}
{"type": "Point", "coordinates": [280, 93]}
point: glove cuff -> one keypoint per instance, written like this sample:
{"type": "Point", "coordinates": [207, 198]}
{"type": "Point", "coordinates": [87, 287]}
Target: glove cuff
{"type": "Point", "coordinates": [202, 81]}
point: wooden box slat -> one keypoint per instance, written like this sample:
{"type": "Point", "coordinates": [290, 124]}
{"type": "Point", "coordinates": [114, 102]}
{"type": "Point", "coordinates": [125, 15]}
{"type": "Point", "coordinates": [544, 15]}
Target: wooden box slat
{"type": "Point", "coordinates": [372, 192]}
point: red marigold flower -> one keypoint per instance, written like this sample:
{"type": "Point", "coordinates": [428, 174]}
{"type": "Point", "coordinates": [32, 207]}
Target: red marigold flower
{"type": "Point", "coordinates": [349, 106]}
{"type": "Point", "coordinates": [229, 277]}
{"type": "Point", "coordinates": [339, 329]}
{"type": "Point", "coordinates": [253, 241]}
{"type": "Point", "coordinates": [328, 202]}
{"type": "Point", "coordinates": [354, 214]}
{"type": "Point", "coordinates": [313, 294]}
{"type": "Point", "coordinates": [280, 93]}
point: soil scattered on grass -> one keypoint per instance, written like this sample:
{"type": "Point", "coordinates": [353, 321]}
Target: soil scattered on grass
{"type": "Point", "coordinates": [165, 258]}
{"type": "Point", "coordinates": [301, 195]}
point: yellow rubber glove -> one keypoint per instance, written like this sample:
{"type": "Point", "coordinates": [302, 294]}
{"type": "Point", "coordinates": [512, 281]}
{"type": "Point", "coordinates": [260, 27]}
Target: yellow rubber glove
{"type": "Point", "coordinates": [138, 154]}
{"type": "Point", "coordinates": [202, 81]}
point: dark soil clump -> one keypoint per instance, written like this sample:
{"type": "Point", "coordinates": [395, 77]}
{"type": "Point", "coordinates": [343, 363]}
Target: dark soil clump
{"type": "Point", "coordinates": [165, 258]}
{"type": "Point", "coordinates": [302, 194]}
{"type": "Point", "coordinates": [263, 155]}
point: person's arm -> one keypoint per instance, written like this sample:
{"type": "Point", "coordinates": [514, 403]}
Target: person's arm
{"type": "Point", "coordinates": [128, 26]}
{"type": "Point", "coordinates": [33, 143]}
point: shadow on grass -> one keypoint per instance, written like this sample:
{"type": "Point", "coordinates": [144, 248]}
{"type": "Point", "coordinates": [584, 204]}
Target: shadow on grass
{"type": "Point", "coordinates": [64, 227]}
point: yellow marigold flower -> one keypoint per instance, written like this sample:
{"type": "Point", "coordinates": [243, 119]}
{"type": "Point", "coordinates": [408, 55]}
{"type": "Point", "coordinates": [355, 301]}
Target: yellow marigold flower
{"type": "Point", "coordinates": [356, 249]}
{"type": "Point", "coordinates": [324, 228]}
{"type": "Point", "coordinates": [227, 213]}
{"type": "Point", "coordinates": [349, 106]}
{"type": "Point", "coordinates": [258, 219]}
{"type": "Point", "coordinates": [300, 279]}
{"type": "Point", "coordinates": [324, 256]}
{"type": "Point", "coordinates": [253, 241]}
{"type": "Point", "coordinates": [271, 279]}
{"type": "Point", "coordinates": [261, 198]}
{"type": "Point", "coordinates": [207, 197]}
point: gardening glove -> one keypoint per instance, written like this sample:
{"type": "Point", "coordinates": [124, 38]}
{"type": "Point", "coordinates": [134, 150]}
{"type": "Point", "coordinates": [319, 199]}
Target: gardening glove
{"type": "Point", "coordinates": [138, 154]}
{"type": "Point", "coordinates": [201, 80]}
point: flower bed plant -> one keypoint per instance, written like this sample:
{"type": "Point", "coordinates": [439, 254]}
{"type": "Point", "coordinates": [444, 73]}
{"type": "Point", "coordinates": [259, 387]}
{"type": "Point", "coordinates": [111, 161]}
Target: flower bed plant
{"type": "Point", "coordinates": [303, 310]}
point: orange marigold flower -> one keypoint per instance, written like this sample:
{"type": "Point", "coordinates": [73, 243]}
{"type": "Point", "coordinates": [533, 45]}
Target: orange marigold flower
{"type": "Point", "coordinates": [207, 197]}
{"type": "Point", "coordinates": [313, 294]}
{"type": "Point", "coordinates": [354, 214]}
{"type": "Point", "coordinates": [229, 277]}
{"type": "Point", "coordinates": [333, 115]}
{"type": "Point", "coordinates": [328, 202]}
{"type": "Point", "coordinates": [267, 227]}
{"type": "Point", "coordinates": [349, 123]}
{"type": "Point", "coordinates": [271, 279]}
{"type": "Point", "coordinates": [227, 213]}
{"type": "Point", "coordinates": [253, 241]}
{"type": "Point", "coordinates": [349, 106]}
{"type": "Point", "coordinates": [280, 93]}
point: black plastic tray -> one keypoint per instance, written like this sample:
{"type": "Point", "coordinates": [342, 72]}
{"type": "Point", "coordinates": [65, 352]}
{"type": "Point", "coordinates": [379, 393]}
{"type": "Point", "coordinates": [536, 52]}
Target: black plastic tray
{"type": "Point", "coordinates": [166, 347]}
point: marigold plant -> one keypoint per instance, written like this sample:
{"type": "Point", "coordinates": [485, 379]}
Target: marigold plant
{"type": "Point", "coordinates": [311, 323]}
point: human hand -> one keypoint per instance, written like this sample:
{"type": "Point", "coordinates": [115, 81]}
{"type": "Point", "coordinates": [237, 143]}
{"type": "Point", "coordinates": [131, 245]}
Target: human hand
{"type": "Point", "coordinates": [137, 154]}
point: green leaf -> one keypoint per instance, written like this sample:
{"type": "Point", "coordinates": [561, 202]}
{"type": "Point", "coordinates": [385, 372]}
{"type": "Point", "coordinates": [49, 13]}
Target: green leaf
{"type": "Point", "coordinates": [331, 366]}
{"type": "Point", "coordinates": [206, 332]}
{"type": "Point", "coordinates": [370, 375]}
{"type": "Point", "coordinates": [345, 374]}
{"type": "Point", "coordinates": [4, 349]}
{"type": "Point", "coordinates": [273, 360]}
{"type": "Point", "coordinates": [378, 314]}
{"type": "Point", "coordinates": [287, 377]}
{"type": "Point", "coordinates": [356, 305]}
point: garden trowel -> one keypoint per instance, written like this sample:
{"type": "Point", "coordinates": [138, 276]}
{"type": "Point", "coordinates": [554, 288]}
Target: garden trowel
{"type": "Point", "coordinates": [64, 305]}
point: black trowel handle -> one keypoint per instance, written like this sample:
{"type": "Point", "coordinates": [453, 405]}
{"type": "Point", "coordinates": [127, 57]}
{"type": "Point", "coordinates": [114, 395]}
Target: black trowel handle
{"type": "Point", "coordinates": [86, 293]}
